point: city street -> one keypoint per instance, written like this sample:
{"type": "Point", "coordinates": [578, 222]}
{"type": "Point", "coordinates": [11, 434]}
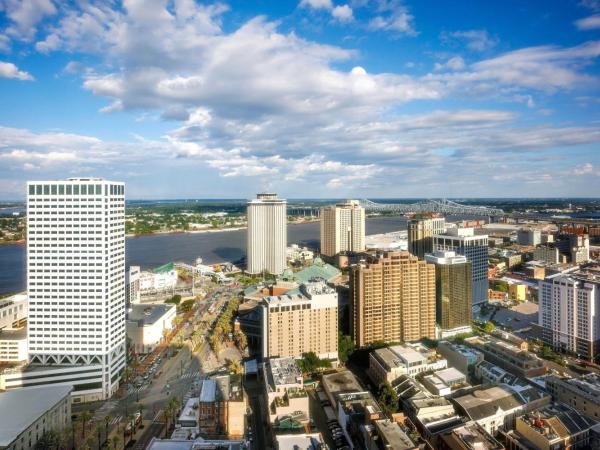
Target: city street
{"type": "Point", "coordinates": [174, 378]}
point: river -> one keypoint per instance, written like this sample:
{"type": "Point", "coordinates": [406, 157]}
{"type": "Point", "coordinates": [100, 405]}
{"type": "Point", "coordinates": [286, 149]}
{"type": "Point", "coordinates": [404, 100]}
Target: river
{"type": "Point", "coordinates": [157, 249]}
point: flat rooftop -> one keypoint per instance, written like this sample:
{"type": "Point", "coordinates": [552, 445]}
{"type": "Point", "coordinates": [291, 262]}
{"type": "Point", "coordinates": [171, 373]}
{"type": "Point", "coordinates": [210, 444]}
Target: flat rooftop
{"type": "Point", "coordinates": [473, 436]}
{"type": "Point", "coordinates": [450, 375]}
{"type": "Point", "coordinates": [198, 444]}
{"type": "Point", "coordinates": [343, 381]}
{"type": "Point", "coordinates": [393, 435]}
{"type": "Point", "coordinates": [148, 314]}
{"type": "Point", "coordinates": [312, 441]}
{"type": "Point", "coordinates": [13, 335]}
{"type": "Point", "coordinates": [20, 408]}
{"type": "Point", "coordinates": [408, 354]}
{"type": "Point", "coordinates": [283, 371]}
{"type": "Point", "coordinates": [208, 393]}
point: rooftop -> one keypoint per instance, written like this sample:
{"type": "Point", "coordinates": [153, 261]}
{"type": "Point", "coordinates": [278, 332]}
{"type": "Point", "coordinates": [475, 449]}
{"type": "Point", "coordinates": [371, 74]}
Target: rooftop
{"type": "Point", "coordinates": [208, 393]}
{"type": "Point", "coordinates": [474, 437]}
{"type": "Point", "coordinates": [198, 444]}
{"type": "Point", "coordinates": [450, 376]}
{"type": "Point", "coordinates": [165, 268]}
{"type": "Point", "coordinates": [343, 381]}
{"type": "Point", "coordinates": [462, 349]}
{"type": "Point", "coordinates": [312, 441]}
{"type": "Point", "coordinates": [13, 335]}
{"type": "Point", "coordinates": [148, 314]}
{"type": "Point", "coordinates": [19, 408]}
{"type": "Point", "coordinates": [316, 287]}
{"type": "Point", "coordinates": [283, 371]}
{"type": "Point", "coordinates": [408, 354]}
{"type": "Point", "coordinates": [556, 421]}
{"type": "Point", "coordinates": [393, 435]}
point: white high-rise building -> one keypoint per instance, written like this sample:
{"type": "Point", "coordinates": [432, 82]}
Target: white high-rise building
{"type": "Point", "coordinates": [267, 234]}
{"type": "Point", "coordinates": [342, 228]}
{"type": "Point", "coordinates": [569, 315]}
{"type": "Point", "coordinates": [76, 286]}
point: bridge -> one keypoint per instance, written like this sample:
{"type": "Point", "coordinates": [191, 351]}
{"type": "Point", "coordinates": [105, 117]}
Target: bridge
{"type": "Point", "coordinates": [432, 206]}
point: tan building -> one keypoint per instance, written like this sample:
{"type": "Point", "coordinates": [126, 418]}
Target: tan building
{"type": "Point", "coordinates": [517, 292]}
{"type": "Point", "coordinates": [454, 284]}
{"type": "Point", "coordinates": [221, 407]}
{"type": "Point", "coordinates": [392, 299]}
{"type": "Point", "coordinates": [582, 394]}
{"type": "Point", "coordinates": [342, 228]}
{"type": "Point", "coordinates": [293, 324]}
{"type": "Point", "coordinates": [421, 232]}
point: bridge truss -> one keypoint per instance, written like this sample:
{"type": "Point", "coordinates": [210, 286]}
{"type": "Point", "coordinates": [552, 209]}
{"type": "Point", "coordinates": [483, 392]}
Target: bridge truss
{"type": "Point", "coordinates": [432, 206]}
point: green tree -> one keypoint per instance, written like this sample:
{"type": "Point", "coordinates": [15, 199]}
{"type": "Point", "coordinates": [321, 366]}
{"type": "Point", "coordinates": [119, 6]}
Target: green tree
{"type": "Point", "coordinates": [489, 326]}
{"type": "Point", "coordinates": [48, 441]}
{"type": "Point", "coordinates": [346, 347]}
{"type": "Point", "coordinates": [387, 398]}
{"type": "Point", "coordinates": [310, 363]}
{"type": "Point", "coordinates": [86, 416]}
{"type": "Point", "coordinates": [235, 367]}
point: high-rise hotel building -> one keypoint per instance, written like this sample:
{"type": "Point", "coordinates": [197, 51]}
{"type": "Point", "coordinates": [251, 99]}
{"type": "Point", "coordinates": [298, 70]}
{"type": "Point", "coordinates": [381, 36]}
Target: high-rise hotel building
{"type": "Point", "coordinates": [421, 232]}
{"type": "Point", "coordinates": [392, 299]}
{"type": "Point", "coordinates": [454, 282]}
{"type": "Point", "coordinates": [569, 316]}
{"type": "Point", "coordinates": [301, 323]}
{"type": "Point", "coordinates": [464, 241]}
{"type": "Point", "coordinates": [342, 228]}
{"type": "Point", "coordinates": [76, 286]}
{"type": "Point", "coordinates": [267, 234]}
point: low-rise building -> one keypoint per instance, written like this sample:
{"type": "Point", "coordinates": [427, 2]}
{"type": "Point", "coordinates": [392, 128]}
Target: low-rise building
{"type": "Point", "coordinates": [196, 444]}
{"type": "Point", "coordinates": [13, 311]}
{"type": "Point", "coordinates": [162, 278]}
{"type": "Point", "coordinates": [27, 414]}
{"type": "Point", "coordinates": [432, 415]}
{"type": "Point", "coordinates": [285, 395]}
{"type": "Point", "coordinates": [469, 436]}
{"type": "Point", "coordinates": [221, 407]}
{"type": "Point", "coordinates": [582, 394]}
{"type": "Point", "coordinates": [303, 441]}
{"type": "Point", "coordinates": [444, 382]}
{"type": "Point", "coordinates": [147, 323]}
{"type": "Point", "coordinates": [496, 407]}
{"type": "Point", "coordinates": [13, 346]}
{"type": "Point", "coordinates": [384, 434]}
{"type": "Point", "coordinates": [555, 426]}
{"type": "Point", "coordinates": [389, 363]}
{"type": "Point", "coordinates": [511, 357]}
{"type": "Point", "coordinates": [517, 292]}
{"type": "Point", "coordinates": [460, 356]}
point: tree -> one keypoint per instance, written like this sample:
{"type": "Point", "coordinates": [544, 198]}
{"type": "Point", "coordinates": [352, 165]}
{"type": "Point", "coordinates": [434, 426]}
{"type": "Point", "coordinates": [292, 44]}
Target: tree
{"type": "Point", "coordinates": [86, 416]}
{"type": "Point", "coordinates": [310, 363]}
{"type": "Point", "coordinates": [346, 347]}
{"type": "Point", "coordinates": [489, 326]}
{"type": "Point", "coordinates": [235, 367]}
{"type": "Point", "coordinates": [48, 441]}
{"type": "Point", "coordinates": [115, 442]}
{"type": "Point", "coordinates": [387, 398]}
{"type": "Point", "coordinates": [107, 419]}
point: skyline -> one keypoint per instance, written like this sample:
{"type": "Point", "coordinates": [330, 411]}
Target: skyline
{"type": "Point", "coordinates": [364, 99]}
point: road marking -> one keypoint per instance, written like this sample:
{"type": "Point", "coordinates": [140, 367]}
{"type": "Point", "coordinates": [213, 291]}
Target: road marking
{"type": "Point", "coordinates": [116, 420]}
{"type": "Point", "coordinates": [158, 416]}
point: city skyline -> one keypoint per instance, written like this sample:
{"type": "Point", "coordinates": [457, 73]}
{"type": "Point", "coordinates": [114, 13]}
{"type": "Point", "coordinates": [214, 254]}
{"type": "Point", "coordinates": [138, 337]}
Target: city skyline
{"type": "Point", "coordinates": [352, 99]}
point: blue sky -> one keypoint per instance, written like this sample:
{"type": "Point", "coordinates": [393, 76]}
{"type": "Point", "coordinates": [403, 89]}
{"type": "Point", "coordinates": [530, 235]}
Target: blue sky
{"type": "Point", "coordinates": [310, 98]}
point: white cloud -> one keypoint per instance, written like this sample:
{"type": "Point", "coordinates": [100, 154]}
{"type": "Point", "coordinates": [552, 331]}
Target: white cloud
{"type": "Point", "coordinates": [400, 22]}
{"type": "Point", "coordinates": [588, 23]}
{"type": "Point", "coordinates": [317, 4]}
{"type": "Point", "coordinates": [25, 16]}
{"type": "Point", "coordinates": [454, 63]}
{"type": "Point", "coordinates": [9, 70]}
{"type": "Point", "coordinates": [343, 13]}
{"type": "Point", "coordinates": [477, 40]}
{"type": "Point", "coordinates": [585, 169]}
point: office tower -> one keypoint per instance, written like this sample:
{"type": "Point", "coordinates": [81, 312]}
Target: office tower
{"type": "Point", "coordinates": [342, 228]}
{"type": "Point", "coordinates": [301, 323]}
{"type": "Point", "coordinates": [421, 232]}
{"type": "Point", "coordinates": [453, 296]}
{"type": "Point", "coordinates": [76, 284]}
{"type": "Point", "coordinates": [132, 285]}
{"type": "Point", "coordinates": [569, 315]}
{"type": "Point", "coordinates": [529, 236]}
{"type": "Point", "coordinates": [267, 234]}
{"type": "Point", "coordinates": [463, 241]}
{"type": "Point", "coordinates": [392, 299]}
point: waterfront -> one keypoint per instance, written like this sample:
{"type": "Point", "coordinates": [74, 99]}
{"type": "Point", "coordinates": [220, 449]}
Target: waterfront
{"type": "Point", "coordinates": [153, 250]}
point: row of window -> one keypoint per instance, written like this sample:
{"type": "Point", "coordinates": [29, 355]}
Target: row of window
{"type": "Point", "coordinates": [76, 189]}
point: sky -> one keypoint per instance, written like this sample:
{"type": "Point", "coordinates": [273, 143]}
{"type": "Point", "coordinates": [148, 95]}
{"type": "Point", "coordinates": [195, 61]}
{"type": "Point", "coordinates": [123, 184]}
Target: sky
{"type": "Point", "coordinates": [307, 98]}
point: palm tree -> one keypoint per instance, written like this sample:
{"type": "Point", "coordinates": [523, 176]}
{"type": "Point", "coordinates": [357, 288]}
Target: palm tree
{"type": "Point", "coordinates": [85, 417]}
{"type": "Point", "coordinates": [235, 367]}
{"type": "Point", "coordinates": [107, 419]}
{"type": "Point", "coordinates": [98, 431]}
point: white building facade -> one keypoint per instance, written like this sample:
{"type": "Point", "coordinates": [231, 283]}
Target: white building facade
{"type": "Point", "coordinates": [569, 314]}
{"type": "Point", "coordinates": [266, 234]}
{"type": "Point", "coordinates": [76, 286]}
{"type": "Point", "coordinates": [342, 228]}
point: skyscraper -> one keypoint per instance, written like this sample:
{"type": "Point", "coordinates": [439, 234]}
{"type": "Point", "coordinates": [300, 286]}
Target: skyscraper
{"type": "Point", "coordinates": [301, 323]}
{"type": "Point", "coordinates": [421, 232]}
{"type": "Point", "coordinates": [453, 284]}
{"type": "Point", "coordinates": [569, 315]}
{"type": "Point", "coordinates": [267, 234]}
{"type": "Point", "coordinates": [76, 285]}
{"type": "Point", "coordinates": [342, 228]}
{"type": "Point", "coordinates": [463, 241]}
{"type": "Point", "coordinates": [392, 299]}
